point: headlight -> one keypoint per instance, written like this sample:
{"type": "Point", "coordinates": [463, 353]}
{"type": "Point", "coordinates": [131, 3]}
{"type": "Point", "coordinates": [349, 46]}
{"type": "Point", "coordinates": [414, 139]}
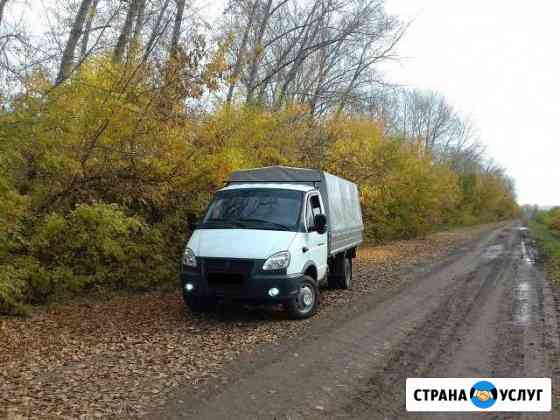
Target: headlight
{"type": "Point", "coordinates": [189, 259]}
{"type": "Point", "coordinates": [277, 261]}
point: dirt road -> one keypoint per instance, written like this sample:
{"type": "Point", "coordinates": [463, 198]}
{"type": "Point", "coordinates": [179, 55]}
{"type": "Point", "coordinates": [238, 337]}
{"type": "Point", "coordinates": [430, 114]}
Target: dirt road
{"type": "Point", "coordinates": [483, 311]}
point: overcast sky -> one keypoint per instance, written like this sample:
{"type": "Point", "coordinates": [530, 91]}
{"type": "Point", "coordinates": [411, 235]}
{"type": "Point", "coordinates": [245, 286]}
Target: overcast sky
{"type": "Point", "coordinates": [499, 62]}
{"type": "Point", "coordinates": [495, 60]}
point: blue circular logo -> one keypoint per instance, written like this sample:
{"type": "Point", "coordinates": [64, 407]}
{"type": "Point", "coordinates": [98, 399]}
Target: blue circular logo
{"type": "Point", "coordinates": [483, 394]}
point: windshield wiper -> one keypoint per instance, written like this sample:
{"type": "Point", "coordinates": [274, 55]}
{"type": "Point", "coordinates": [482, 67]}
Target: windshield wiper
{"type": "Point", "coordinates": [230, 223]}
{"type": "Point", "coordinates": [278, 225]}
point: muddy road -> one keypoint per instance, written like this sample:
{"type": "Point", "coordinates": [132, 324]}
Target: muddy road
{"type": "Point", "coordinates": [484, 311]}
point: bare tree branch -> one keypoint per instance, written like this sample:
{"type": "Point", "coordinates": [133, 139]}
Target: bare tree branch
{"type": "Point", "coordinates": [75, 33]}
{"type": "Point", "coordinates": [88, 28]}
{"type": "Point", "coordinates": [2, 7]}
{"type": "Point", "coordinates": [126, 31]}
{"type": "Point", "coordinates": [174, 47]}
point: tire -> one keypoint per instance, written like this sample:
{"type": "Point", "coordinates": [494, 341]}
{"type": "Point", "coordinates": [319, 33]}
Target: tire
{"type": "Point", "coordinates": [306, 302]}
{"type": "Point", "coordinates": [200, 304]}
{"type": "Point", "coordinates": [342, 276]}
{"type": "Point", "coordinates": [346, 283]}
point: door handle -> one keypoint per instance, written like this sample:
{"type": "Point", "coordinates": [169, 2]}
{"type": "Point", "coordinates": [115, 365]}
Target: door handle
{"type": "Point", "coordinates": [321, 244]}
{"type": "Point", "coordinates": [305, 249]}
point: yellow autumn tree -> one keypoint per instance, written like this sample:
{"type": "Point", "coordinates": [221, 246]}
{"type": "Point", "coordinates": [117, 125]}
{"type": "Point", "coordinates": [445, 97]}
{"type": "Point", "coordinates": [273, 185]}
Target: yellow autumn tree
{"type": "Point", "coordinates": [403, 193]}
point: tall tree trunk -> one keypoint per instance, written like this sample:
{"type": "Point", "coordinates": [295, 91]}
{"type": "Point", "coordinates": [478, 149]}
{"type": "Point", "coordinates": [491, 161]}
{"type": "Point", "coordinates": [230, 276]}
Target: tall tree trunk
{"type": "Point", "coordinates": [257, 50]}
{"type": "Point", "coordinates": [321, 75]}
{"type": "Point", "coordinates": [139, 25]}
{"type": "Point", "coordinates": [87, 29]}
{"type": "Point", "coordinates": [2, 6]}
{"type": "Point", "coordinates": [156, 31]}
{"type": "Point", "coordinates": [309, 32]}
{"type": "Point", "coordinates": [73, 38]}
{"type": "Point", "coordinates": [126, 31]}
{"type": "Point", "coordinates": [241, 53]}
{"type": "Point", "coordinates": [174, 47]}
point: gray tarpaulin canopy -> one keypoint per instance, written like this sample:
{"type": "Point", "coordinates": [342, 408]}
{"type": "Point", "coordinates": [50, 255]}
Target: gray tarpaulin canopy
{"type": "Point", "coordinates": [277, 174]}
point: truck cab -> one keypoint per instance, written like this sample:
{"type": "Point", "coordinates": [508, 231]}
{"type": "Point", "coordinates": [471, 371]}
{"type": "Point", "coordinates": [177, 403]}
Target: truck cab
{"type": "Point", "coordinates": [265, 238]}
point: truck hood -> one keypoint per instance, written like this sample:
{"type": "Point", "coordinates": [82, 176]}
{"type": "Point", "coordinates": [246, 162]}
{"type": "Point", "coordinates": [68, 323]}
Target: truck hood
{"type": "Point", "coordinates": [239, 243]}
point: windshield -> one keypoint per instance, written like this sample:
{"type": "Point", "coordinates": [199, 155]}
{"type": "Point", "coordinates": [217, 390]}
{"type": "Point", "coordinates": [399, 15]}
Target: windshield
{"type": "Point", "coordinates": [256, 208]}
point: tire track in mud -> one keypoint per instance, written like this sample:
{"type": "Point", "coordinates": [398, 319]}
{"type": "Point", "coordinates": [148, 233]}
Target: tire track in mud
{"type": "Point", "coordinates": [441, 346]}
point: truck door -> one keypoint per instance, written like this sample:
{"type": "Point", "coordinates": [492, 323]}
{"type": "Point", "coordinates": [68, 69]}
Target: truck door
{"type": "Point", "coordinates": [315, 243]}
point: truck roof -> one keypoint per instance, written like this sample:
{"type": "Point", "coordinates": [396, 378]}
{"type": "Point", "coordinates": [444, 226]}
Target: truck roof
{"type": "Point", "coordinates": [295, 187]}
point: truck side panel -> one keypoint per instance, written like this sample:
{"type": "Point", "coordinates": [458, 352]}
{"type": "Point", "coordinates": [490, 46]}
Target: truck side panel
{"type": "Point", "coordinates": [344, 213]}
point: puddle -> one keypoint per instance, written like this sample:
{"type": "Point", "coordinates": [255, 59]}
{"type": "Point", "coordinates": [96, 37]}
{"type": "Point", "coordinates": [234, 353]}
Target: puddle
{"type": "Point", "coordinates": [523, 292]}
{"type": "Point", "coordinates": [524, 287]}
{"type": "Point", "coordinates": [527, 253]}
{"type": "Point", "coordinates": [492, 252]}
{"type": "Point", "coordinates": [522, 314]}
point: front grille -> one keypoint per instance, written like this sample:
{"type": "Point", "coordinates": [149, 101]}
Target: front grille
{"type": "Point", "coordinates": [225, 275]}
{"type": "Point", "coordinates": [226, 265]}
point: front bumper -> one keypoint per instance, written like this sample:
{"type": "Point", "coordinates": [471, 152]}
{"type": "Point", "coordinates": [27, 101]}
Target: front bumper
{"type": "Point", "coordinates": [253, 288]}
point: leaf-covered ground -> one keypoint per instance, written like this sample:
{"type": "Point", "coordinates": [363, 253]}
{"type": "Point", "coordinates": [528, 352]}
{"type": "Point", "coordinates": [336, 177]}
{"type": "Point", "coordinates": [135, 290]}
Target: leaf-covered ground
{"type": "Point", "coordinates": [121, 357]}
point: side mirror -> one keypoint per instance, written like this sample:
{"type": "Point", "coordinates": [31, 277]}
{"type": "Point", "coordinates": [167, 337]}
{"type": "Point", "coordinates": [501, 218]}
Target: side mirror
{"type": "Point", "coordinates": [320, 221]}
{"type": "Point", "coordinates": [191, 220]}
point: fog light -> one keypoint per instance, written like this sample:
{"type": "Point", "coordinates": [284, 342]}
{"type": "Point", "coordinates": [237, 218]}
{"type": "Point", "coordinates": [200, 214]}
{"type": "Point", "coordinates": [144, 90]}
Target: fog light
{"type": "Point", "coordinates": [273, 292]}
{"type": "Point", "coordinates": [189, 287]}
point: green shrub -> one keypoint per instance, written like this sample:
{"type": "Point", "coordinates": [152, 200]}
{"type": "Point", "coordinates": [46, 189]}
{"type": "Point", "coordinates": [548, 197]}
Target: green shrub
{"type": "Point", "coordinates": [13, 290]}
{"type": "Point", "coordinates": [94, 246]}
{"type": "Point", "coordinates": [555, 223]}
{"type": "Point", "coordinates": [553, 219]}
{"type": "Point", "coordinates": [549, 243]}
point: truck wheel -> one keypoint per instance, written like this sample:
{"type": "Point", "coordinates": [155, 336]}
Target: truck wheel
{"type": "Point", "coordinates": [347, 279]}
{"type": "Point", "coordinates": [342, 277]}
{"type": "Point", "coordinates": [200, 304]}
{"type": "Point", "coordinates": [306, 302]}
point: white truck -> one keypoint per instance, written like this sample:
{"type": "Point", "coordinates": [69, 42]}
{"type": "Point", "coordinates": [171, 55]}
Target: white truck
{"type": "Point", "coordinates": [273, 235]}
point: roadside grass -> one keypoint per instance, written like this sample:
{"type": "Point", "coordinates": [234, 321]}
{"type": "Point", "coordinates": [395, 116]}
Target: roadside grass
{"type": "Point", "coordinates": [548, 241]}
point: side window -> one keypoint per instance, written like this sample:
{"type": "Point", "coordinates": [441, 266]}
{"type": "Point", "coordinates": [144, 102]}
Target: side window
{"type": "Point", "coordinates": [313, 208]}
{"type": "Point", "coordinates": [316, 205]}
{"type": "Point", "coordinates": [309, 215]}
